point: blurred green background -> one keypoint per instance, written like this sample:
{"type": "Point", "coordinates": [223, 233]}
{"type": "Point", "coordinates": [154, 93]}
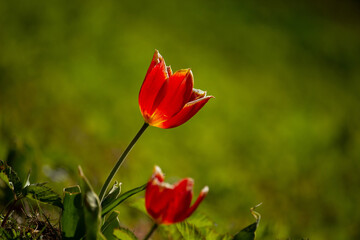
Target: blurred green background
{"type": "Point", "coordinates": [284, 128]}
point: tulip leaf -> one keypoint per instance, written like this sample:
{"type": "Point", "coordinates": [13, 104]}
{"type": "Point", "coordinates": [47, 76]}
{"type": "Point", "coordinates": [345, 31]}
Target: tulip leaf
{"type": "Point", "coordinates": [111, 223]}
{"type": "Point", "coordinates": [124, 234]}
{"type": "Point", "coordinates": [11, 179]}
{"type": "Point", "coordinates": [112, 195]}
{"type": "Point", "coordinates": [248, 233]}
{"type": "Point", "coordinates": [110, 206]}
{"type": "Point", "coordinates": [72, 219]}
{"type": "Point", "coordinates": [43, 194]}
{"type": "Point", "coordinates": [92, 208]}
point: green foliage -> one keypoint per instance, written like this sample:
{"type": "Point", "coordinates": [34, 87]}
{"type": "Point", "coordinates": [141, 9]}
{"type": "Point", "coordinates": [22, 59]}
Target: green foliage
{"type": "Point", "coordinates": [20, 234]}
{"type": "Point", "coordinates": [81, 216]}
{"type": "Point", "coordinates": [37, 191]}
{"type": "Point", "coordinates": [43, 194]}
{"type": "Point", "coordinates": [187, 230]}
{"type": "Point", "coordinates": [124, 234]}
{"type": "Point", "coordinates": [247, 233]}
{"type": "Point", "coordinates": [112, 195]}
{"type": "Point", "coordinates": [198, 226]}
{"type": "Point", "coordinates": [207, 227]}
{"type": "Point", "coordinates": [112, 230]}
{"type": "Point", "coordinates": [109, 225]}
{"type": "Point", "coordinates": [9, 176]}
{"type": "Point", "coordinates": [92, 208]}
{"type": "Point", "coordinates": [31, 226]}
{"type": "Point", "coordinates": [72, 219]}
{"type": "Point", "coordinates": [116, 201]}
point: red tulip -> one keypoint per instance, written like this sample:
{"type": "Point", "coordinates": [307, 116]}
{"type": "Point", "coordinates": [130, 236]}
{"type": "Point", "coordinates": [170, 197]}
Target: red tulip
{"type": "Point", "coordinates": [168, 100]}
{"type": "Point", "coordinates": [167, 203]}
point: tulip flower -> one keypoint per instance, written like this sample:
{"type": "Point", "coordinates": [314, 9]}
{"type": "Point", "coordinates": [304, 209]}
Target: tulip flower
{"type": "Point", "coordinates": [167, 203]}
{"type": "Point", "coordinates": [168, 99]}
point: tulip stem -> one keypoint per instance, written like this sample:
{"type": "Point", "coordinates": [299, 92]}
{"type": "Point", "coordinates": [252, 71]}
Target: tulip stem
{"type": "Point", "coordinates": [154, 227]}
{"type": "Point", "coordinates": [120, 161]}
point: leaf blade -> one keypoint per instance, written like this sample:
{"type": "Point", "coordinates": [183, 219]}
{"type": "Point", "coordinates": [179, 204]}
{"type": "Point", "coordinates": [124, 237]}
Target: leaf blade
{"type": "Point", "coordinates": [121, 198]}
{"type": "Point", "coordinates": [92, 208]}
{"type": "Point", "coordinates": [72, 218]}
{"type": "Point", "coordinates": [111, 223]}
{"type": "Point", "coordinates": [11, 179]}
{"type": "Point", "coordinates": [248, 233]}
{"type": "Point", "coordinates": [112, 195]}
{"type": "Point", "coordinates": [124, 234]}
{"type": "Point", "coordinates": [42, 193]}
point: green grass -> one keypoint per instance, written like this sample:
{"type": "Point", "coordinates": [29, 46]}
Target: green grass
{"type": "Point", "coordinates": [283, 130]}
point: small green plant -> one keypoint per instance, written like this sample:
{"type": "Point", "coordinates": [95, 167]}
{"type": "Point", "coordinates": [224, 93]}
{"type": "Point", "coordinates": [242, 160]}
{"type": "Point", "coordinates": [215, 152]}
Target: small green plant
{"type": "Point", "coordinates": [33, 226]}
{"type": "Point", "coordinates": [84, 217]}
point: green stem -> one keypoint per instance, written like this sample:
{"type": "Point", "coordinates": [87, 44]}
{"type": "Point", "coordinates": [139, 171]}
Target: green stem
{"type": "Point", "coordinates": [154, 227]}
{"type": "Point", "coordinates": [119, 162]}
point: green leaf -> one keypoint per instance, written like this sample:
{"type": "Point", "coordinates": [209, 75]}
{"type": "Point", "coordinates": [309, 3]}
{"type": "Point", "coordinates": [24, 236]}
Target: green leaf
{"type": "Point", "coordinates": [182, 230]}
{"type": "Point", "coordinates": [200, 220]}
{"type": "Point", "coordinates": [92, 209]}
{"type": "Point", "coordinates": [112, 222]}
{"type": "Point", "coordinates": [124, 234]}
{"type": "Point", "coordinates": [27, 182]}
{"type": "Point", "coordinates": [206, 226]}
{"type": "Point", "coordinates": [121, 198]}
{"type": "Point", "coordinates": [72, 219]}
{"type": "Point", "coordinates": [43, 194]}
{"type": "Point", "coordinates": [248, 233]}
{"type": "Point", "coordinates": [9, 176]}
{"type": "Point", "coordinates": [100, 236]}
{"type": "Point", "coordinates": [139, 204]}
{"type": "Point", "coordinates": [4, 234]}
{"type": "Point", "coordinates": [112, 195]}
{"type": "Point", "coordinates": [189, 231]}
{"type": "Point", "coordinates": [213, 235]}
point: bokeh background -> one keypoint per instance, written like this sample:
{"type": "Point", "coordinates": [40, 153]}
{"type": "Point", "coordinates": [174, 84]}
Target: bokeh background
{"type": "Point", "coordinates": [284, 128]}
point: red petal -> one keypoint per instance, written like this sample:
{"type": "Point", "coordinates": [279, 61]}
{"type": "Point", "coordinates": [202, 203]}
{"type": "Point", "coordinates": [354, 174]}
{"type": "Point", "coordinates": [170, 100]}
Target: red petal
{"type": "Point", "coordinates": [189, 110]}
{"type": "Point", "coordinates": [154, 80]}
{"type": "Point", "coordinates": [202, 195]}
{"type": "Point", "coordinates": [174, 94]}
{"type": "Point", "coordinates": [157, 198]}
{"type": "Point", "coordinates": [196, 94]}
{"type": "Point", "coordinates": [169, 71]}
{"type": "Point", "coordinates": [155, 60]}
{"type": "Point", "coordinates": [180, 203]}
{"type": "Point", "coordinates": [158, 174]}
